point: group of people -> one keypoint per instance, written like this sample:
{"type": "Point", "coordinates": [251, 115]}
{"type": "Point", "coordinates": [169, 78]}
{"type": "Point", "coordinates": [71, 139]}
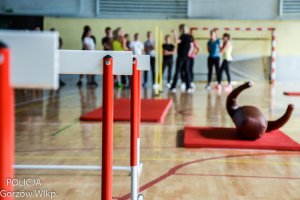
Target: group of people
{"type": "Point", "coordinates": [215, 48]}
{"type": "Point", "coordinates": [185, 47]}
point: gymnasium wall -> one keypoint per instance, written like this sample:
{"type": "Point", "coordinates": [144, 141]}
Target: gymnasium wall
{"type": "Point", "coordinates": [231, 9]}
{"type": "Point", "coordinates": [256, 45]}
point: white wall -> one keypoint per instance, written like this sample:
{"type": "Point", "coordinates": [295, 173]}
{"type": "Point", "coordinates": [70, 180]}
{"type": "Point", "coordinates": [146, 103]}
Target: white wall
{"type": "Point", "coordinates": [288, 68]}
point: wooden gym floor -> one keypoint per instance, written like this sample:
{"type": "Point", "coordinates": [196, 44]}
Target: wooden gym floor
{"type": "Point", "coordinates": [48, 132]}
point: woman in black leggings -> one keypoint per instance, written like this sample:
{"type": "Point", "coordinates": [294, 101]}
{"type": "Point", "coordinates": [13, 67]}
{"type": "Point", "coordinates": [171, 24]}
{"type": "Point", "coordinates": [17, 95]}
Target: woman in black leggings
{"type": "Point", "coordinates": [213, 48]}
{"type": "Point", "coordinates": [168, 52]}
{"type": "Point", "coordinates": [226, 50]}
{"type": "Point", "coordinates": [182, 61]}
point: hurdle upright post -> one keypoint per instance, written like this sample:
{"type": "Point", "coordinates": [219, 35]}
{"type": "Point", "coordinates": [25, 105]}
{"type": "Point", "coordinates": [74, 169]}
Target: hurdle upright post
{"type": "Point", "coordinates": [134, 125]}
{"type": "Point", "coordinates": [107, 128]}
{"type": "Point", "coordinates": [139, 123]}
{"type": "Point", "coordinates": [6, 122]}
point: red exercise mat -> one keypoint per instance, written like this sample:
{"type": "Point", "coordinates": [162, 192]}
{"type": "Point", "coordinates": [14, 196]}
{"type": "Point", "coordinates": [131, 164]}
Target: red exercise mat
{"type": "Point", "coordinates": [218, 137]}
{"type": "Point", "coordinates": [291, 93]}
{"type": "Point", "coordinates": [152, 110]}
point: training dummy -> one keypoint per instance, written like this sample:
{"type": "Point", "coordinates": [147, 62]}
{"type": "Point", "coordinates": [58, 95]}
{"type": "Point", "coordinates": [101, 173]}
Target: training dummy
{"type": "Point", "coordinates": [249, 121]}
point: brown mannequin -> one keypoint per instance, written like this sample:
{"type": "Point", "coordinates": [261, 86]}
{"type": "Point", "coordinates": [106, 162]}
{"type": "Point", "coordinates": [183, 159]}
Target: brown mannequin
{"type": "Point", "coordinates": [250, 122]}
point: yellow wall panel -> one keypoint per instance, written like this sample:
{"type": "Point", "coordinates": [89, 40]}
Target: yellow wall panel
{"type": "Point", "coordinates": [287, 32]}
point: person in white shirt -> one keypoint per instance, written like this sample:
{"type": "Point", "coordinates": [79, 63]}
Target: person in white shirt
{"type": "Point", "coordinates": [136, 46]}
{"type": "Point", "coordinates": [88, 43]}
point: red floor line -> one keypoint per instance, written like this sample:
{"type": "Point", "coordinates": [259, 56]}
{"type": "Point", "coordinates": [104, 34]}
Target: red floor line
{"type": "Point", "coordinates": [238, 176]}
{"type": "Point", "coordinates": [173, 170]}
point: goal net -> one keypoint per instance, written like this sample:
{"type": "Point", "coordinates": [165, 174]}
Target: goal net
{"type": "Point", "coordinates": [252, 52]}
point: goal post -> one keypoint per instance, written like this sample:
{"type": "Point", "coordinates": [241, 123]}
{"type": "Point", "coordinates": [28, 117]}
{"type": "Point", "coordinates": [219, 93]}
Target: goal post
{"type": "Point", "coordinates": [253, 47]}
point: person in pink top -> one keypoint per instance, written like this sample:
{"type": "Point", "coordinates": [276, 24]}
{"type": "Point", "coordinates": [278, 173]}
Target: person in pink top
{"type": "Point", "coordinates": [194, 50]}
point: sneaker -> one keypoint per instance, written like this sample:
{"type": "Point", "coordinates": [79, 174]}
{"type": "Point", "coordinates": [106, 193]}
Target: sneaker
{"type": "Point", "coordinates": [193, 85]}
{"type": "Point", "coordinates": [190, 90]}
{"type": "Point", "coordinates": [228, 88]}
{"type": "Point", "coordinates": [119, 85]}
{"type": "Point", "coordinates": [95, 83]}
{"type": "Point", "coordinates": [207, 87]}
{"type": "Point", "coordinates": [155, 86]}
{"type": "Point", "coordinates": [173, 90]}
{"type": "Point", "coordinates": [183, 87]}
{"type": "Point", "coordinates": [79, 83]}
{"type": "Point", "coordinates": [218, 87]}
{"type": "Point", "coordinates": [168, 85]}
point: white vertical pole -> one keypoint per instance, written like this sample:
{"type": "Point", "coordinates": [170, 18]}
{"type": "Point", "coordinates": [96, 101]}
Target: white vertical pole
{"type": "Point", "coordinates": [273, 58]}
{"type": "Point", "coordinates": [140, 165]}
{"type": "Point", "coordinates": [134, 182]}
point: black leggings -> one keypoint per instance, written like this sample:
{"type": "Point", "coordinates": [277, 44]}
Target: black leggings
{"type": "Point", "coordinates": [225, 67]}
{"type": "Point", "coordinates": [210, 63]}
{"type": "Point", "coordinates": [168, 63]}
{"type": "Point", "coordinates": [182, 63]}
{"type": "Point", "coordinates": [152, 66]}
{"type": "Point", "coordinates": [190, 69]}
{"type": "Point", "coordinates": [90, 78]}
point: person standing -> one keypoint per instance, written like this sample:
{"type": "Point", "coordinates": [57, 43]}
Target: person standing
{"type": "Point", "coordinates": [168, 52]}
{"type": "Point", "coordinates": [150, 50]}
{"type": "Point", "coordinates": [107, 40]}
{"type": "Point", "coordinates": [213, 48]}
{"type": "Point", "coordinates": [226, 51]}
{"type": "Point", "coordinates": [125, 78]}
{"type": "Point", "coordinates": [119, 44]}
{"type": "Point", "coordinates": [194, 50]}
{"type": "Point", "coordinates": [127, 40]}
{"type": "Point", "coordinates": [182, 62]}
{"type": "Point", "coordinates": [88, 43]}
{"type": "Point", "coordinates": [136, 46]}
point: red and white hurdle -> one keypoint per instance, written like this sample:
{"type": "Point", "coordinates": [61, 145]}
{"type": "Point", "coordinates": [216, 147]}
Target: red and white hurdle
{"type": "Point", "coordinates": [70, 62]}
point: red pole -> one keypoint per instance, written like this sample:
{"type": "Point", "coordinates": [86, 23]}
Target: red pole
{"type": "Point", "coordinates": [7, 134]}
{"type": "Point", "coordinates": [107, 128]}
{"type": "Point", "coordinates": [134, 129]}
{"type": "Point", "coordinates": [139, 97]}
{"type": "Point", "coordinates": [139, 120]}
{"type": "Point", "coordinates": [134, 113]}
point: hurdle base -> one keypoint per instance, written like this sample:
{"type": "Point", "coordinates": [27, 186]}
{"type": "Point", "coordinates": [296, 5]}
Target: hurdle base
{"type": "Point", "coordinates": [69, 167]}
{"type": "Point", "coordinates": [73, 167]}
